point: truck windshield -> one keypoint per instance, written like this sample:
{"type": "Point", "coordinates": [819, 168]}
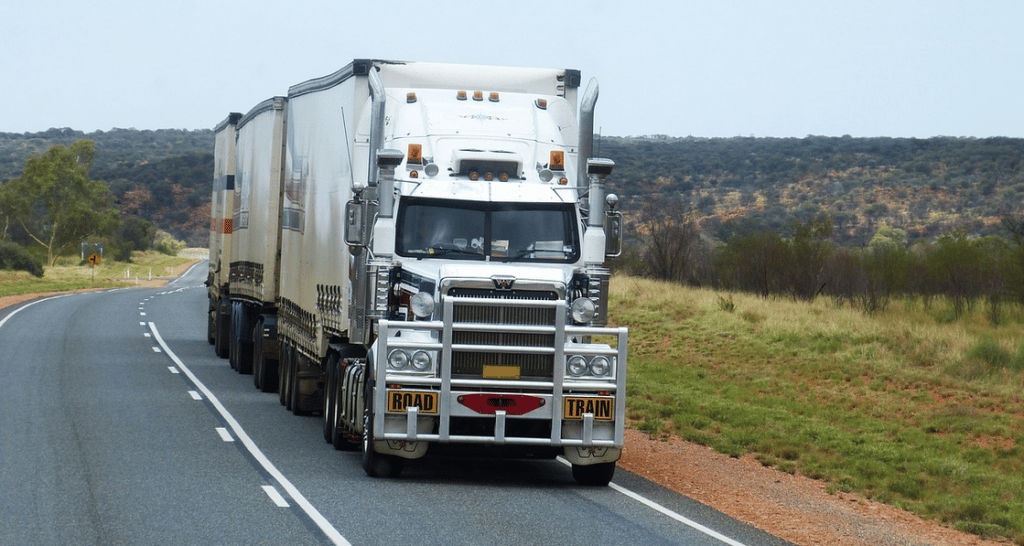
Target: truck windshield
{"type": "Point", "coordinates": [461, 230]}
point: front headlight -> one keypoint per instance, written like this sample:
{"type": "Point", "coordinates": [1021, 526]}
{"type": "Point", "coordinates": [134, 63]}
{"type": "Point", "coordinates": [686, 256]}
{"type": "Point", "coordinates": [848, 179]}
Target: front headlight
{"type": "Point", "coordinates": [583, 310]}
{"type": "Point", "coordinates": [421, 304]}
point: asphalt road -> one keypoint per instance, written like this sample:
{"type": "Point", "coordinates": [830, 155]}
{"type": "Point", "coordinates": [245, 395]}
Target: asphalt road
{"type": "Point", "coordinates": [119, 426]}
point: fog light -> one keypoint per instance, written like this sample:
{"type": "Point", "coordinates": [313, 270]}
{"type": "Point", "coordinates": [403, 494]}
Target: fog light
{"type": "Point", "coordinates": [421, 361]}
{"type": "Point", "coordinates": [576, 366]}
{"type": "Point", "coordinates": [600, 366]}
{"type": "Point", "coordinates": [398, 359]}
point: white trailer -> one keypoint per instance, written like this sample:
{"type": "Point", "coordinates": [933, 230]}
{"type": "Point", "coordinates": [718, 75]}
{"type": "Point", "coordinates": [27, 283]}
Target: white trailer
{"type": "Point", "coordinates": [218, 321]}
{"type": "Point", "coordinates": [442, 235]}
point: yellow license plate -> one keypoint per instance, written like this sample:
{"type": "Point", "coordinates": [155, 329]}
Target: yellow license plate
{"type": "Point", "coordinates": [574, 407]}
{"type": "Point", "coordinates": [500, 372]}
{"type": "Point", "coordinates": [400, 401]}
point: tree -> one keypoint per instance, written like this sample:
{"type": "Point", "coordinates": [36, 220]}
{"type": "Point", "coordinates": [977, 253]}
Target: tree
{"type": "Point", "coordinates": [56, 202]}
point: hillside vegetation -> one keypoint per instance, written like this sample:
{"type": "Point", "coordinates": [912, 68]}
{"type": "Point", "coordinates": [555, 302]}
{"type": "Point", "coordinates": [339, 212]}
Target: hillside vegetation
{"type": "Point", "coordinates": [902, 405]}
{"type": "Point", "coordinates": [925, 187]}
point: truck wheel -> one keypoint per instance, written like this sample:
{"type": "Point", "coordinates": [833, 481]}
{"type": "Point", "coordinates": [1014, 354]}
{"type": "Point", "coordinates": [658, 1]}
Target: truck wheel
{"type": "Point", "coordinates": [223, 328]}
{"type": "Point", "coordinates": [295, 388]}
{"type": "Point", "coordinates": [330, 403]}
{"type": "Point", "coordinates": [599, 474]}
{"type": "Point", "coordinates": [375, 464]}
{"type": "Point", "coordinates": [211, 327]}
{"type": "Point", "coordinates": [282, 382]}
{"type": "Point", "coordinates": [257, 354]}
{"type": "Point", "coordinates": [264, 371]}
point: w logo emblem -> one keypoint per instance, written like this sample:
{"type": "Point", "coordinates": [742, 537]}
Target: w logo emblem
{"type": "Point", "coordinates": [503, 283]}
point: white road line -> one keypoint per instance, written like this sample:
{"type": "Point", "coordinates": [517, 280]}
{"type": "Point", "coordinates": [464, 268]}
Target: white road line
{"type": "Point", "coordinates": [147, 334]}
{"type": "Point", "coordinates": [271, 492]}
{"type": "Point", "coordinates": [318, 519]}
{"type": "Point", "coordinates": [224, 434]}
{"type": "Point", "coordinates": [173, 369]}
{"type": "Point", "coordinates": [195, 395]}
{"type": "Point", "coordinates": [27, 305]}
{"type": "Point", "coordinates": [142, 324]}
{"type": "Point", "coordinates": [156, 349]}
{"type": "Point", "coordinates": [674, 515]}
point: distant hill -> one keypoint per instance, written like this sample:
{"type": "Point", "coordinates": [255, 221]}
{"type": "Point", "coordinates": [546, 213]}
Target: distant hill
{"type": "Point", "coordinates": [162, 176]}
{"type": "Point", "coordinates": [927, 187]}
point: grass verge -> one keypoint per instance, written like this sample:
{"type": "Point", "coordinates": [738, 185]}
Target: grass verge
{"type": "Point", "coordinates": [903, 406]}
{"type": "Point", "coordinates": [67, 275]}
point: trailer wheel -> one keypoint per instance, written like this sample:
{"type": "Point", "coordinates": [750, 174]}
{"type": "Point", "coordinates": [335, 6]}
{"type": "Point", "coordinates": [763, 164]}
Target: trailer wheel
{"type": "Point", "coordinates": [599, 474]}
{"type": "Point", "coordinates": [295, 388]}
{"type": "Point", "coordinates": [375, 464]}
{"type": "Point", "coordinates": [223, 329]}
{"type": "Point", "coordinates": [257, 354]}
{"type": "Point", "coordinates": [264, 372]}
{"type": "Point", "coordinates": [211, 326]}
{"type": "Point", "coordinates": [282, 382]}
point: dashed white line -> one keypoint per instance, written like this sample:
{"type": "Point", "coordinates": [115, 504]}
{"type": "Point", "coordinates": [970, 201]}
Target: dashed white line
{"type": "Point", "coordinates": [173, 369]}
{"type": "Point", "coordinates": [195, 395]}
{"type": "Point", "coordinates": [271, 492]}
{"type": "Point", "coordinates": [224, 434]}
{"type": "Point", "coordinates": [156, 349]}
{"type": "Point", "coordinates": [318, 519]}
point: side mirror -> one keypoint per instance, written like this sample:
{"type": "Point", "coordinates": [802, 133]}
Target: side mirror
{"type": "Point", "coordinates": [613, 233]}
{"type": "Point", "coordinates": [354, 235]}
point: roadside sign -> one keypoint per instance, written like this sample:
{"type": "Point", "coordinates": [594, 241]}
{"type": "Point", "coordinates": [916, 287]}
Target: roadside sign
{"type": "Point", "coordinates": [94, 259]}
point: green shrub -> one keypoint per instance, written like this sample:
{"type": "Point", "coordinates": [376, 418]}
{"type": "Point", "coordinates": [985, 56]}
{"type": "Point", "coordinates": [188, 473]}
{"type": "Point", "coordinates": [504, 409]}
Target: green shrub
{"type": "Point", "coordinates": [15, 257]}
{"type": "Point", "coordinates": [165, 243]}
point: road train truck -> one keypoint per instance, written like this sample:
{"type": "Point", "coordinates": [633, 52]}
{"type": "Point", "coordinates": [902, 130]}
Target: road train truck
{"type": "Point", "coordinates": [417, 252]}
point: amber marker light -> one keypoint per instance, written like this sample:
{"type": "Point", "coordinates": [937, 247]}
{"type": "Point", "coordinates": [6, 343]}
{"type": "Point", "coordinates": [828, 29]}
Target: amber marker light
{"type": "Point", "coordinates": [415, 153]}
{"type": "Point", "coordinates": [461, 95]}
{"type": "Point", "coordinates": [410, 97]}
{"type": "Point", "coordinates": [478, 95]}
{"type": "Point", "coordinates": [557, 161]}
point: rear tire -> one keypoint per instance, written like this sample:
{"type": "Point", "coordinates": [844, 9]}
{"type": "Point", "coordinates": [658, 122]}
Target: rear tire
{"type": "Point", "coordinates": [599, 474]}
{"type": "Point", "coordinates": [283, 374]}
{"type": "Point", "coordinates": [223, 327]}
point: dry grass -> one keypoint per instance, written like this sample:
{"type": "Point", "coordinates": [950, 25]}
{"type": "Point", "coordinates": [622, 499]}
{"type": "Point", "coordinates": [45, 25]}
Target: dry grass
{"type": "Point", "coordinates": [903, 405]}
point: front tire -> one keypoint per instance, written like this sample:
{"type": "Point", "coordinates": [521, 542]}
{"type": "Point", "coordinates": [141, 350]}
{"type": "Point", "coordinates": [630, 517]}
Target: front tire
{"type": "Point", "coordinates": [375, 464]}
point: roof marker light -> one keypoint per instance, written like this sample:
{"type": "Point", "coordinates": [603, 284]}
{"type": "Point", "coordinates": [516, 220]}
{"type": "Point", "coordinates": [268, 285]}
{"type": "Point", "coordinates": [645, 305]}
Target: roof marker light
{"type": "Point", "coordinates": [461, 95]}
{"type": "Point", "coordinates": [557, 162]}
{"type": "Point", "coordinates": [542, 104]}
{"type": "Point", "coordinates": [478, 95]}
{"type": "Point", "coordinates": [494, 97]}
{"type": "Point", "coordinates": [415, 154]}
{"type": "Point", "coordinates": [410, 97]}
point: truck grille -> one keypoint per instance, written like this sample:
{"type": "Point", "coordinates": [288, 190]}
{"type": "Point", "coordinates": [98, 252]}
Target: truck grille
{"type": "Point", "coordinates": [496, 311]}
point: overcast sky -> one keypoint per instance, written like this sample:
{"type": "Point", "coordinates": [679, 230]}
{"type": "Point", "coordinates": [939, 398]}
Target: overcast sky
{"type": "Point", "coordinates": [713, 68]}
